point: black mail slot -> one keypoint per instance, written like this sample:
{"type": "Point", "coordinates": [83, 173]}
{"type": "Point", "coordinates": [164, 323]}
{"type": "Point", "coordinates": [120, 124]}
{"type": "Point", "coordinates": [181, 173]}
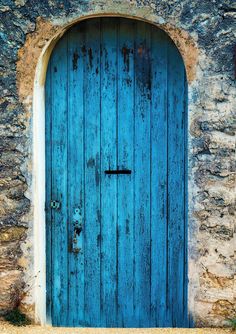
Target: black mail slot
{"type": "Point", "coordinates": [118, 171]}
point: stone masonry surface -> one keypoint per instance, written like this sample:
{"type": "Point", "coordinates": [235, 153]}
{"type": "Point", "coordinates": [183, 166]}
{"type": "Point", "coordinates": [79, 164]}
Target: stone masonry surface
{"type": "Point", "coordinates": [204, 32]}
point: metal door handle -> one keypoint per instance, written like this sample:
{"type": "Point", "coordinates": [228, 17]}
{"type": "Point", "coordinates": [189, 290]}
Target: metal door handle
{"type": "Point", "coordinates": [118, 171]}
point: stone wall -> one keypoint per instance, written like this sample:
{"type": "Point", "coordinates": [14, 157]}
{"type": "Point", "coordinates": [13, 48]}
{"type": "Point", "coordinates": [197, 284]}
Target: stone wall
{"type": "Point", "coordinates": [203, 32]}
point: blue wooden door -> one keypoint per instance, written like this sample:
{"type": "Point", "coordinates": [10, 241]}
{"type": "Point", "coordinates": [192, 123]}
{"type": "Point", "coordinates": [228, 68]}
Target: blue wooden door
{"type": "Point", "coordinates": [116, 177]}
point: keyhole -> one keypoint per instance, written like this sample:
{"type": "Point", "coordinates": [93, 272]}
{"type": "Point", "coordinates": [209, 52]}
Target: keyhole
{"type": "Point", "coordinates": [78, 230]}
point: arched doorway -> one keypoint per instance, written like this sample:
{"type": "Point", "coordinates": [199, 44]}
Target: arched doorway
{"type": "Point", "coordinates": [116, 149]}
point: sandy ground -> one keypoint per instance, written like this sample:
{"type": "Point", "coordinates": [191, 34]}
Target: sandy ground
{"type": "Point", "coordinates": [5, 328]}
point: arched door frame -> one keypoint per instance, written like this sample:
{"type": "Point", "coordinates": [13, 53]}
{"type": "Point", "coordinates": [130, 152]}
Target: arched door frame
{"type": "Point", "coordinates": [39, 162]}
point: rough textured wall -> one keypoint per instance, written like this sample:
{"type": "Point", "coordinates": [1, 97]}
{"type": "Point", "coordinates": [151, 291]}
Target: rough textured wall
{"type": "Point", "coordinates": [203, 31]}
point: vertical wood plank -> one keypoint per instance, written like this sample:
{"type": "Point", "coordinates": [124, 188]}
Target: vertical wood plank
{"type": "Point", "coordinates": [48, 179]}
{"type": "Point", "coordinates": [176, 182]}
{"type": "Point", "coordinates": [142, 175]}
{"type": "Point", "coordinates": [187, 317]}
{"type": "Point", "coordinates": [108, 182]}
{"type": "Point", "coordinates": [59, 184]}
{"type": "Point", "coordinates": [92, 173]}
{"type": "Point", "coordinates": [159, 178]}
{"type": "Point", "coordinates": [125, 182]}
{"type": "Point", "coordinates": [75, 170]}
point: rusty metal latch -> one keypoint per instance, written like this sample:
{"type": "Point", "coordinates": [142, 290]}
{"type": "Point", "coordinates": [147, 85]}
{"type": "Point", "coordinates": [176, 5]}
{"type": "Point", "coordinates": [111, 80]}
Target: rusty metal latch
{"type": "Point", "coordinates": [77, 238]}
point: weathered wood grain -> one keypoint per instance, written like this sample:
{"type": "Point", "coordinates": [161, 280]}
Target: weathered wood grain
{"type": "Point", "coordinates": [108, 183]}
{"type": "Point", "coordinates": [75, 172]}
{"type": "Point", "coordinates": [116, 99]}
{"type": "Point", "coordinates": [59, 143]}
{"type": "Point", "coordinates": [125, 111]}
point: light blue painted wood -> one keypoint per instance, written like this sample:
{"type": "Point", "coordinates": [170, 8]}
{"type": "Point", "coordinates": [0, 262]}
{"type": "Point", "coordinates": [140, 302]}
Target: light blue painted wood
{"type": "Point", "coordinates": [108, 183]}
{"type": "Point", "coordinates": [48, 172]}
{"type": "Point", "coordinates": [75, 173]}
{"type": "Point", "coordinates": [59, 221]}
{"type": "Point", "coordinates": [125, 105]}
{"type": "Point", "coordinates": [116, 98]}
{"type": "Point", "coordinates": [142, 212]}
{"type": "Point", "coordinates": [187, 317]}
{"type": "Point", "coordinates": [159, 179]}
{"type": "Point", "coordinates": [176, 186]}
{"type": "Point", "coordinates": [92, 174]}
